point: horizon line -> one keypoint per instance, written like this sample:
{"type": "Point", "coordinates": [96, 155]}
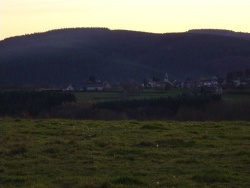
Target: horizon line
{"type": "Point", "coordinates": [107, 28]}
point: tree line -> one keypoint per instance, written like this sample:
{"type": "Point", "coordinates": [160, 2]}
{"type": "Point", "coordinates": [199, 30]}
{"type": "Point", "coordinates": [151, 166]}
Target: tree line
{"type": "Point", "coordinates": [157, 107]}
{"type": "Point", "coordinates": [204, 107]}
{"type": "Point", "coordinates": [16, 103]}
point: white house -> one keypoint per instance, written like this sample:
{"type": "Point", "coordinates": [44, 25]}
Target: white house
{"type": "Point", "coordinates": [207, 83]}
{"type": "Point", "coordinates": [155, 84]}
{"type": "Point", "coordinates": [214, 81]}
{"type": "Point", "coordinates": [237, 82]}
{"type": "Point", "coordinates": [93, 86]}
{"type": "Point", "coordinates": [69, 88]}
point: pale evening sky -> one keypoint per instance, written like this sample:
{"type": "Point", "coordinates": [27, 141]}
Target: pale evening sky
{"type": "Point", "coordinates": [19, 17]}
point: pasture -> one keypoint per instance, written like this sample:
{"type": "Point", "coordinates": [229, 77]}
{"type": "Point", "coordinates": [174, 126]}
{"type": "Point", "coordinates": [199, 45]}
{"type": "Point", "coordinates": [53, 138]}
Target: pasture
{"type": "Point", "coordinates": [72, 153]}
{"type": "Point", "coordinates": [95, 96]}
{"type": "Point", "coordinates": [237, 96]}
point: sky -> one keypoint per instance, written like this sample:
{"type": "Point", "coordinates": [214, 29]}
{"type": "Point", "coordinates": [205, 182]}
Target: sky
{"type": "Point", "coordinates": [19, 17]}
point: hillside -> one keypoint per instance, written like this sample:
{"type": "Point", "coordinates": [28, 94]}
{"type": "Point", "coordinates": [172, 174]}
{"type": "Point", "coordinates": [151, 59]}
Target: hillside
{"type": "Point", "coordinates": [222, 32]}
{"type": "Point", "coordinates": [66, 56]}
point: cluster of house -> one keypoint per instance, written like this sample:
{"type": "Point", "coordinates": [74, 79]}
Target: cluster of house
{"type": "Point", "coordinates": [88, 86]}
{"type": "Point", "coordinates": [188, 83]}
{"type": "Point", "coordinates": [204, 82]}
{"type": "Point", "coordinates": [214, 84]}
{"type": "Point", "coordinates": [156, 83]}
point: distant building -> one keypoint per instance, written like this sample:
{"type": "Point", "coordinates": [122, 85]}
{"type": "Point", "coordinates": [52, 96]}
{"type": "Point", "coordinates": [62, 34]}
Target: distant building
{"type": "Point", "coordinates": [70, 87]}
{"type": "Point", "coordinates": [207, 83]}
{"type": "Point", "coordinates": [89, 86]}
{"type": "Point", "coordinates": [155, 84]}
{"type": "Point", "coordinates": [214, 81]}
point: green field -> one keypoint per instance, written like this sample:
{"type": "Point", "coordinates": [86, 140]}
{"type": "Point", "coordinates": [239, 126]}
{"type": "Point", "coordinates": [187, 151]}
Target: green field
{"type": "Point", "coordinates": [236, 97]}
{"type": "Point", "coordinates": [94, 96]}
{"type": "Point", "coordinates": [70, 153]}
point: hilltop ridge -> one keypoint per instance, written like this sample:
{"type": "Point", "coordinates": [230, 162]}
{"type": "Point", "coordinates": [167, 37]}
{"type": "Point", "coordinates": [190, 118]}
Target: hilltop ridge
{"type": "Point", "coordinates": [222, 32]}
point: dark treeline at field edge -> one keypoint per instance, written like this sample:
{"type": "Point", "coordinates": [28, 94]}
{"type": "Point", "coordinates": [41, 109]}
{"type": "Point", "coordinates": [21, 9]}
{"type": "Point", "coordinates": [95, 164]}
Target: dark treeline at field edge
{"type": "Point", "coordinates": [63, 105]}
{"type": "Point", "coordinates": [31, 103]}
{"type": "Point", "coordinates": [184, 107]}
{"type": "Point", "coordinates": [181, 108]}
{"type": "Point", "coordinates": [157, 108]}
{"type": "Point", "coordinates": [170, 104]}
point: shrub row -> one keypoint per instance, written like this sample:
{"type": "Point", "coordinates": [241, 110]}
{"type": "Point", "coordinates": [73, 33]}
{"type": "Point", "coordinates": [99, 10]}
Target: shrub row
{"type": "Point", "coordinates": [63, 105]}
{"type": "Point", "coordinates": [172, 104]}
{"type": "Point", "coordinates": [15, 103]}
{"type": "Point", "coordinates": [184, 107]}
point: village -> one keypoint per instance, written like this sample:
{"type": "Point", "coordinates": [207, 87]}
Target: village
{"type": "Point", "coordinates": [214, 84]}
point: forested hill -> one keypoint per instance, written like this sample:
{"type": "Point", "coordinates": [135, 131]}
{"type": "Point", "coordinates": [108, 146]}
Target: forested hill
{"type": "Point", "coordinates": [70, 55]}
{"type": "Point", "coordinates": [222, 32]}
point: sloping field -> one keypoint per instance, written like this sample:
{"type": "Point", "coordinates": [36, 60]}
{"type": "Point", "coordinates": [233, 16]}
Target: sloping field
{"type": "Point", "coordinates": [69, 153]}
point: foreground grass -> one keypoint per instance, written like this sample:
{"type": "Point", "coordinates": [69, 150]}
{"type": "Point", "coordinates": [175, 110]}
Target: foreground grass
{"type": "Point", "coordinates": [69, 153]}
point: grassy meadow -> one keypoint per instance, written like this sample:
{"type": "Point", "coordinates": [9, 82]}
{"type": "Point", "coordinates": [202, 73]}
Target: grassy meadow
{"type": "Point", "coordinates": [94, 96]}
{"type": "Point", "coordinates": [83, 153]}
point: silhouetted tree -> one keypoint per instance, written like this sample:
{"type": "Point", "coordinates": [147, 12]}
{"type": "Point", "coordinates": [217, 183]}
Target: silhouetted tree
{"type": "Point", "coordinates": [145, 82]}
{"type": "Point", "coordinates": [92, 78]}
{"type": "Point", "coordinates": [155, 79]}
